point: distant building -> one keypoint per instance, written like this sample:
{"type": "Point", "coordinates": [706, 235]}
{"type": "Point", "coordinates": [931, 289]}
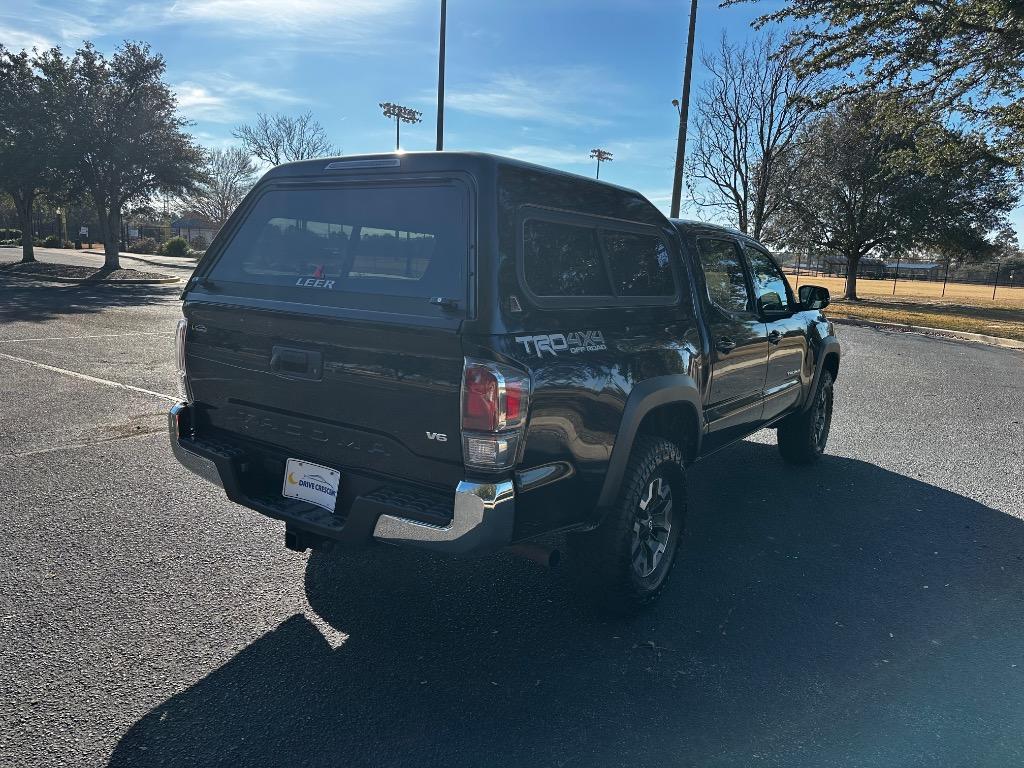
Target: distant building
{"type": "Point", "coordinates": [191, 228]}
{"type": "Point", "coordinates": [869, 266]}
{"type": "Point", "coordinates": [914, 270]}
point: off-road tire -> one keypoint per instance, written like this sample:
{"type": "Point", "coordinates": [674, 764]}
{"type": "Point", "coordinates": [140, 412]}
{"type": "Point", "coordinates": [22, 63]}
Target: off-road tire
{"type": "Point", "coordinates": [607, 564]}
{"type": "Point", "coordinates": [803, 435]}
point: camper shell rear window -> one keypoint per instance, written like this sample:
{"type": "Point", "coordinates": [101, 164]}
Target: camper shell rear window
{"type": "Point", "coordinates": [392, 247]}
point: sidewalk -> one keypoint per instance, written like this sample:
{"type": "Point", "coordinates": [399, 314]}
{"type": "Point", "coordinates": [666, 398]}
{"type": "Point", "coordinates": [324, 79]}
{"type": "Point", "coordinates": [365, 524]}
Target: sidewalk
{"type": "Point", "coordinates": [94, 258]}
{"type": "Point", "coordinates": [187, 262]}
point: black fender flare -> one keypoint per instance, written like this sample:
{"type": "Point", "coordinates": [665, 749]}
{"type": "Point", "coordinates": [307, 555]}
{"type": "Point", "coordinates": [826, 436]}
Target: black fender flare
{"type": "Point", "coordinates": [828, 346]}
{"type": "Point", "coordinates": [643, 398]}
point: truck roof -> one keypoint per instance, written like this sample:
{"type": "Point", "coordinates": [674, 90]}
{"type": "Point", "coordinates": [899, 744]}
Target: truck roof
{"type": "Point", "coordinates": [420, 161]}
{"type": "Point", "coordinates": [692, 225]}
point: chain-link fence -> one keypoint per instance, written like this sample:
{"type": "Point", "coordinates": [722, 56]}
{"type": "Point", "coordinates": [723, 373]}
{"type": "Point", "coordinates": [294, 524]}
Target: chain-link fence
{"type": "Point", "coordinates": [143, 237]}
{"type": "Point", "coordinates": [939, 279]}
{"type": "Point", "coordinates": [137, 236]}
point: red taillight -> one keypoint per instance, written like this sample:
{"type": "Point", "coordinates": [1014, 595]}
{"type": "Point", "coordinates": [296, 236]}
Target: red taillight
{"type": "Point", "coordinates": [513, 401]}
{"type": "Point", "coordinates": [495, 400]}
{"type": "Point", "coordinates": [480, 399]}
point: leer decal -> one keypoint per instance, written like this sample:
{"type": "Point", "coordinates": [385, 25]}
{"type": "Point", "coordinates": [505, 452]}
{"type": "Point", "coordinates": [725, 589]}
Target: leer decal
{"type": "Point", "coordinates": [313, 282]}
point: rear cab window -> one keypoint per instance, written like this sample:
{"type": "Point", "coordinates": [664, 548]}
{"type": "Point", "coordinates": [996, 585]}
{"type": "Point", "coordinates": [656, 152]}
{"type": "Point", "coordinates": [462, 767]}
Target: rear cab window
{"type": "Point", "coordinates": [595, 262]}
{"type": "Point", "coordinates": [389, 247]}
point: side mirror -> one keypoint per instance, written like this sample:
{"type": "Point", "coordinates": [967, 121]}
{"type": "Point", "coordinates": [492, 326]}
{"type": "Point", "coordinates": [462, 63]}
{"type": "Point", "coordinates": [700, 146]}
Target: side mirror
{"type": "Point", "coordinates": [770, 302]}
{"type": "Point", "coordinates": [813, 297]}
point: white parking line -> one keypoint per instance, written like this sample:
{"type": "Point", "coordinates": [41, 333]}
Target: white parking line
{"type": "Point", "coordinates": [86, 377]}
{"type": "Point", "coordinates": [93, 336]}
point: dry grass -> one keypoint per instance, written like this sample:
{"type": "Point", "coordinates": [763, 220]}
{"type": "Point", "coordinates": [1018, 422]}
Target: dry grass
{"type": "Point", "coordinates": [962, 293]}
{"type": "Point", "coordinates": [965, 307]}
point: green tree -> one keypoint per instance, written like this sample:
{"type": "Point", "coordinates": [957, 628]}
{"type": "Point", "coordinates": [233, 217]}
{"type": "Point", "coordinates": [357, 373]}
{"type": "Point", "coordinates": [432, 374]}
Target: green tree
{"type": "Point", "coordinates": [28, 140]}
{"type": "Point", "coordinates": [874, 175]}
{"type": "Point", "coordinates": [967, 55]}
{"type": "Point", "coordinates": [126, 142]}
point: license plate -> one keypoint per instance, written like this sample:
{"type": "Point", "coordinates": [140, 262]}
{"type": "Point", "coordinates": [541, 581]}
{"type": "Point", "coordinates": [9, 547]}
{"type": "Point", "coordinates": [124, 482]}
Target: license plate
{"type": "Point", "coordinates": [311, 482]}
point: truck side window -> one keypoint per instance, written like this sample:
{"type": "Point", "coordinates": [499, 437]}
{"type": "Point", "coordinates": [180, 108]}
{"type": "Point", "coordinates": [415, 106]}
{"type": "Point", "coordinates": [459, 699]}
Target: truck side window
{"type": "Point", "coordinates": [723, 273]}
{"type": "Point", "coordinates": [769, 284]}
{"type": "Point", "coordinates": [563, 260]}
{"type": "Point", "coordinates": [639, 264]}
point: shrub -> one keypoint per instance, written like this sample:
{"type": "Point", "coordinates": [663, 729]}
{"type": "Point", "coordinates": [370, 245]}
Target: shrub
{"type": "Point", "coordinates": [10, 234]}
{"type": "Point", "coordinates": [198, 243]}
{"type": "Point", "coordinates": [51, 241]}
{"type": "Point", "coordinates": [143, 245]}
{"type": "Point", "coordinates": [176, 246]}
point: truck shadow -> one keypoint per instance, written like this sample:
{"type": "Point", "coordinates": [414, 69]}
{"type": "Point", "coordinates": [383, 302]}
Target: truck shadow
{"type": "Point", "coordinates": [841, 614]}
{"type": "Point", "coordinates": [34, 302]}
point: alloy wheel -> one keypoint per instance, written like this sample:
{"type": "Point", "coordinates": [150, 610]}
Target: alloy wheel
{"type": "Point", "coordinates": [652, 527]}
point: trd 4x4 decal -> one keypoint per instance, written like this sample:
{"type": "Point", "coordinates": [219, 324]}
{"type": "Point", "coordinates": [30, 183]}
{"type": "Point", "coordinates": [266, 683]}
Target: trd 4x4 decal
{"type": "Point", "coordinates": [573, 342]}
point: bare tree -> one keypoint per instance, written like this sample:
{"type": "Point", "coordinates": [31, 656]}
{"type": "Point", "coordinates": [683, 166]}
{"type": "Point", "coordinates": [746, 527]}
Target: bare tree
{"type": "Point", "coordinates": [231, 174]}
{"type": "Point", "coordinates": [749, 114]}
{"type": "Point", "coordinates": [277, 139]}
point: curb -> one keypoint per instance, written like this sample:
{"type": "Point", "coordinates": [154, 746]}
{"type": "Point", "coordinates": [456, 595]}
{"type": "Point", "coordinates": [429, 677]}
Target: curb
{"type": "Point", "coordinates": [90, 280]}
{"type": "Point", "coordinates": [139, 257]}
{"type": "Point", "coordinates": [977, 338]}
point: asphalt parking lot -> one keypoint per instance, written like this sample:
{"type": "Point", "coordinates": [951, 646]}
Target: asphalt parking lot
{"type": "Point", "coordinates": [865, 612]}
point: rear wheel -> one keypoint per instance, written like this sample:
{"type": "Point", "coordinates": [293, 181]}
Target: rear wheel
{"type": "Point", "coordinates": [625, 562]}
{"type": "Point", "coordinates": [802, 436]}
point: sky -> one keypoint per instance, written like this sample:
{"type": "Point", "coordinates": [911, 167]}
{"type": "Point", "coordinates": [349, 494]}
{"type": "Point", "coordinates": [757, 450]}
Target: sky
{"type": "Point", "coordinates": [540, 80]}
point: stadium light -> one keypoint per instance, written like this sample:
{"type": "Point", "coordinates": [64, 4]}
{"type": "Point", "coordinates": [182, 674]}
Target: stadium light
{"type": "Point", "coordinates": [602, 156]}
{"type": "Point", "coordinates": [401, 115]}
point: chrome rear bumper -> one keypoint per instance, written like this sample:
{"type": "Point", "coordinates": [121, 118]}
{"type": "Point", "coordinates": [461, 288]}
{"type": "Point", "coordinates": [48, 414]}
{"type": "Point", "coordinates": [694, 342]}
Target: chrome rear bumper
{"type": "Point", "coordinates": [482, 519]}
{"type": "Point", "coordinates": [482, 514]}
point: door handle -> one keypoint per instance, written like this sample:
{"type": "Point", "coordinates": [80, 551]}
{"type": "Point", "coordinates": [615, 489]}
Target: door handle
{"type": "Point", "coordinates": [725, 345]}
{"type": "Point", "coordinates": [774, 337]}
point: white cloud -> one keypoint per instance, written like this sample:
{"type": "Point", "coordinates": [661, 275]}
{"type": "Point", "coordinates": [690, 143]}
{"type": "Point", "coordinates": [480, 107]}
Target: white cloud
{"type": "Point", "coordinates": [315, 21]}
{"type": "Point", "coordinates": [219, 98]}
{"type": "Point", "coordinates": [567, 96]}
{"type": "Point", "coordinates": [543, 155]}
{"type": "Point", "coordinates": [32, 24]}
{"type": "Point", "coordinates": [307, 24]}
{"type": "Point", "coordinates": [18, 39]}
{"type": "Point", "coordinates": [660, 197]}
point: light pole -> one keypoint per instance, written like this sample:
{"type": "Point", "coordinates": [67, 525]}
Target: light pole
{"type": "Point", "coordinates": [440, 80]}
{"type": "Point", "coordinates": [684, 111]}
{"type": "Point", "coordinates": [602, 156]}
{"type": "Point", "coordinates": [401, 115]}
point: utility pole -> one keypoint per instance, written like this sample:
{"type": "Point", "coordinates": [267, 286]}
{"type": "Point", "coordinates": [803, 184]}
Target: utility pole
{"type": "Point", "coordinates": [602, 156]}
{"type": "Point", "coordinates": [684, 113]}
{"type": "Point", "coordinates": [401, 115]}
{"type": "Point", "coordinates": [440, 80]}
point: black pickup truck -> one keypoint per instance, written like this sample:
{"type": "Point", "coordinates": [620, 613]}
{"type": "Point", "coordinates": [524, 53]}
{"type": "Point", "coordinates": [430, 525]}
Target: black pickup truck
{"type": "Point", "coordinates": [462, 352]}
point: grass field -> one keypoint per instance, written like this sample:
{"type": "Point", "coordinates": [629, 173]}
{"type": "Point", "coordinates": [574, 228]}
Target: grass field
{"type": "Point", "coordinates": [965, 307]}
{"type": "Point", "coordinates": [968, 293]}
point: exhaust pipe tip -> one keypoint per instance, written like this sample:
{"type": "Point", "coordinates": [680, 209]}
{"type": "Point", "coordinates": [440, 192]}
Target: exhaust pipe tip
{"type": "Point", "coordinates": [549, 557]}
